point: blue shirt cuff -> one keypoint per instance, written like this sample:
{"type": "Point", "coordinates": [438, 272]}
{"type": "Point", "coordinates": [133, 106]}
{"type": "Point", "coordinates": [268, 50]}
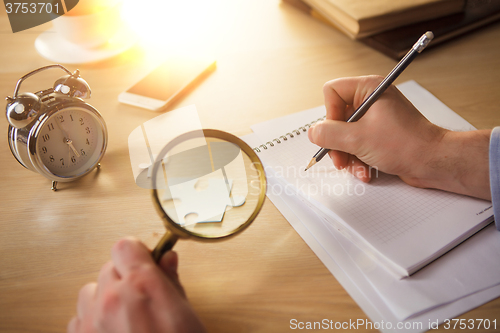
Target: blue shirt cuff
{"type": "Point", "coordinates": [495, 173]}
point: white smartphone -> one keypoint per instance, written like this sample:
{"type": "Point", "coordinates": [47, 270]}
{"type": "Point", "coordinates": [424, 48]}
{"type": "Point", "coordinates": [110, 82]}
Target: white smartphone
{"type": "Point", "coordinates": [167, 83]}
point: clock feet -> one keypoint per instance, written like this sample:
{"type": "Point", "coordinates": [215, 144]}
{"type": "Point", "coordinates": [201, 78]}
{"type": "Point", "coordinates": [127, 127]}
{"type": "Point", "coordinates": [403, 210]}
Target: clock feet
{"type": "Point", "coordinates": [54, 183]}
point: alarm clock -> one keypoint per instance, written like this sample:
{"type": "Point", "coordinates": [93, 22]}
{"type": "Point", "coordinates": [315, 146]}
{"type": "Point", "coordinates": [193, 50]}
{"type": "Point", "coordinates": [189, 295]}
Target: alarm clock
{"type": "Point", "coordinates": [53, 131]}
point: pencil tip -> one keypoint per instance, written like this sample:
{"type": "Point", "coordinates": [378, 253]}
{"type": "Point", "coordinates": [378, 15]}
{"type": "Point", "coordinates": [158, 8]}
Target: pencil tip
{"type": "Point", "coordinates": [313, 161]}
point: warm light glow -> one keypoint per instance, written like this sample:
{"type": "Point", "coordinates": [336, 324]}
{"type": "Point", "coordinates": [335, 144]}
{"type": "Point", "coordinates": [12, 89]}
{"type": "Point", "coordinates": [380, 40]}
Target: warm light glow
{"type": "Point", "coordinates": [165, 25]}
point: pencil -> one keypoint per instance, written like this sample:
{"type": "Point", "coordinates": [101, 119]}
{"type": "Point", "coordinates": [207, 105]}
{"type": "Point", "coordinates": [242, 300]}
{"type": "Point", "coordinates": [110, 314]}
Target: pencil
{"type": "Point", "coordinates": [389, 79]}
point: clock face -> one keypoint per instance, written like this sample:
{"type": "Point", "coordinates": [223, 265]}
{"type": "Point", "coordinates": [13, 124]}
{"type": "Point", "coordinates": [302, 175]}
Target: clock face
{"type": "Point", "coordinates": [70, 142]}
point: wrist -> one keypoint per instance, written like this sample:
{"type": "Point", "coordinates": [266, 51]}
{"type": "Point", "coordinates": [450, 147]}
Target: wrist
{"type": "Point", "coordinates": [460, 164]}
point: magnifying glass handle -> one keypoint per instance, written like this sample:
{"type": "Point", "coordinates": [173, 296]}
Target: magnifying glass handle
{"type": "Point", "coordinates": [165, 244]}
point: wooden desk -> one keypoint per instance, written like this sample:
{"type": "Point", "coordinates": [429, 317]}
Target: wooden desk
{"type": "Point", "coordinates": [273, 60]}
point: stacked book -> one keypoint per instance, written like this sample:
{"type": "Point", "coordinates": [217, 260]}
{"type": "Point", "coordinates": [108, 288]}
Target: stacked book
{"type": "Point", "coordinates": [393, 26]}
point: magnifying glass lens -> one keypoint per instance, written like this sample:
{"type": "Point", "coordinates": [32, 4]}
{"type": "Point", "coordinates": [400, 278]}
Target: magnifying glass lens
{"type": "Point", "coordinates": [208, 185]}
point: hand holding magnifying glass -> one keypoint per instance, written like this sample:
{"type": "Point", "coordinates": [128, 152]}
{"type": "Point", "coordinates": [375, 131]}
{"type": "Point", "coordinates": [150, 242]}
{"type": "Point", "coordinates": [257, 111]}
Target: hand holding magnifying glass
{"type": "Point", "coordinates": [208, 185]}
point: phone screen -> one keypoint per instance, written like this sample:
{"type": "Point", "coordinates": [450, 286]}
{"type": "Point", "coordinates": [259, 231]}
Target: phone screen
{"type": "Point", "coordinates": [171, 78]}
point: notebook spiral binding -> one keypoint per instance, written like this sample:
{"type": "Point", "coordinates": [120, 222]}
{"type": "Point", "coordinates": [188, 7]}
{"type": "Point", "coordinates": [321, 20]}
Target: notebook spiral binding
{"type": "Point", "coordinates": [285, 136]}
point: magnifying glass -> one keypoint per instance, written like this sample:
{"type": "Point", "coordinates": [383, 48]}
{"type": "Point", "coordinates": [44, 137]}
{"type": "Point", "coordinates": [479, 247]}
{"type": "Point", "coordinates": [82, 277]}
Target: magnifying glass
{"type": "Point", "coordinates": [208, 185]}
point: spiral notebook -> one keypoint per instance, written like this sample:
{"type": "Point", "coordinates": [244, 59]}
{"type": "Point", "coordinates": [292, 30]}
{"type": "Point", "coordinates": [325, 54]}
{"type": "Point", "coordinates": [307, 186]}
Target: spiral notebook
{"type": "Point", "coordinates": [403, 228]}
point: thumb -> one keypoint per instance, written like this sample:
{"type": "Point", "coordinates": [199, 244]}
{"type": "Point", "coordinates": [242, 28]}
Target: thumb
{"type": "Point", "coordinates": [335, 135]}
{"type": "Point", "coordinates": [168, 264]}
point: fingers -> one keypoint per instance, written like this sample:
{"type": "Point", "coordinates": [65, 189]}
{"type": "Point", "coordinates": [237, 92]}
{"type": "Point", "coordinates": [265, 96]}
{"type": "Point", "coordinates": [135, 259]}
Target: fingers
{"type": "Point", "coordinates": [127, 254]}
{"type": "Point", "coordinates": [344, 141]}
{"type": "Point", "coordinates": [343, 95]}
{"type": "Point", "coordinates": [86, 299]}
{"type": "Point", "coordinates": [339, 158]}
{"type": "Point", "coordinates": [352, 164]}
{"type": "Point", "coordinates": [168, 265]}
{"type": "Point", "coordinates": [334, 103]}
{"type": "Point", "coordinates": [107, 276]}
{"type": "Point", "coordinates": [335, 135]}
{"type": "Point", "coordinates": [73, 325]}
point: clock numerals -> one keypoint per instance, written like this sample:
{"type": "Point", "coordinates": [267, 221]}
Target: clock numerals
{"type": "Point", "coordinates": [67, 143]}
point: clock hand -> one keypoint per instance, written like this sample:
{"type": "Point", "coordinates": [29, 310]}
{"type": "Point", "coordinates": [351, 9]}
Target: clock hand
{"type": "Point", "coordinates": [67, 139]}
{"type": "Point", "coordinates": [62, 129]}
{"type": "Point", "coordinates": [71, 146]}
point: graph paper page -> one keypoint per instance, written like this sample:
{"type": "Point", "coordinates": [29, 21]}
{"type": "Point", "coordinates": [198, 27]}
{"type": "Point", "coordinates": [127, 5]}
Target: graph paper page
{"type": "Point", "coordinates": [404, 225]}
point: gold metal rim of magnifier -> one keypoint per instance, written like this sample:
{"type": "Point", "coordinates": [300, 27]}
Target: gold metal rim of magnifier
{"type": "Point", "coordinates": [174, 227]}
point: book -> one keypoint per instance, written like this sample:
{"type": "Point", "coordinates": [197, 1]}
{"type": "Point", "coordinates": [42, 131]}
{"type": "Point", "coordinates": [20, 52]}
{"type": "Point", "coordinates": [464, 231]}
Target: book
{"type": "Point", "coordinates": [395, 43]}
{"type": "Point", "coordinates": [359, 18]}
{"type": "Point", "coordinates": [304, 7]}
{"type": "Point", "coordinates": [402, 227]}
